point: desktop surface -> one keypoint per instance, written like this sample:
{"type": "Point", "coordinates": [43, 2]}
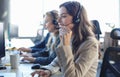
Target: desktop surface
{"type": "Point", "coordinates": [24, 70]}
{"type": "Point", "coordinates": [6, 74]}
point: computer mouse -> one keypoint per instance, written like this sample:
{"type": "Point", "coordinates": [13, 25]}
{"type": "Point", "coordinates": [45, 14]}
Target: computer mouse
{"type": "Point", "coordinates": [36, 66]}
{"type": "Point", "coordinates": [2, 67]}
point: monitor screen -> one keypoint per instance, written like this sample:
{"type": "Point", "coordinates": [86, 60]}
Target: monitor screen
{"type": "Point", "coordinates": [2, 40]}
{"type": "Point", "coordinates": [13, 31]}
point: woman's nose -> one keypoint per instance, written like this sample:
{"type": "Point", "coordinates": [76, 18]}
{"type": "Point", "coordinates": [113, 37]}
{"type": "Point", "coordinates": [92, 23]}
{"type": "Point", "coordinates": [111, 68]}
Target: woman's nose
{"type": "Point", "coordinates": [59, 19]}
{"type": "Point", "coordinates": [44, 25]}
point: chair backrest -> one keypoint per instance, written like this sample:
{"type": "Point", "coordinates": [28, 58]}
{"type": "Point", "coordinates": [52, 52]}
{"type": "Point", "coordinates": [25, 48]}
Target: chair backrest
{"type": "Point", "coordinates": [111, 60]}
{"type": "Point", "coordinates": [97, 28]}
{"type": "Point", "coordinates": [115, 34]}
{"type": "Point", "coordinates": [111, 63]}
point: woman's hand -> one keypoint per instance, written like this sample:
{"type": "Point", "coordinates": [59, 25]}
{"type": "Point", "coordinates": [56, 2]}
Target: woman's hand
{"type": "Point", "coordinates": [43, 73]}
{"type": "Point", "coordinates": [65, 35]}
{"type": "Point", "coordinates": [31, 59]}
{"type": "Point", "coordinates": [26, 55]}
{"type": "Point", "coordinates": [24, 49]}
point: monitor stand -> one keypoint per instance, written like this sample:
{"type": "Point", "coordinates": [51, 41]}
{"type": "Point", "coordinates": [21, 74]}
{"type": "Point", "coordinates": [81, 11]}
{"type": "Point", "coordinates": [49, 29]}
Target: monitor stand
{"type": "Point", "coordinates": [2, 67]}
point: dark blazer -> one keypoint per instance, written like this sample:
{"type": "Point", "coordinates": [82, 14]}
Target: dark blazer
{"type": "Point", "coordinates": [41, 45]}
{"type": "Point", "coordinates": [47, 60]}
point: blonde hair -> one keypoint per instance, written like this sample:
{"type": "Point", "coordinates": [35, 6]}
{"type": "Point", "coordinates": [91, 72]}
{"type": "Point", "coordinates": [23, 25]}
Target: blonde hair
{"type": "Point", "coordinates": [50, 15]}
{"type": "Point", "coordinates": [52, 35]}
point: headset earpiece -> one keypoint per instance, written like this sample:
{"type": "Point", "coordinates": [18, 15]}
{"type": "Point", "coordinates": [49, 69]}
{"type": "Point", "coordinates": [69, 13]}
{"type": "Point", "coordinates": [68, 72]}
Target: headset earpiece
{"type": "Point", "coordinates": [54, 21]}
{"type": "Point", "coordinates": [76, 19]}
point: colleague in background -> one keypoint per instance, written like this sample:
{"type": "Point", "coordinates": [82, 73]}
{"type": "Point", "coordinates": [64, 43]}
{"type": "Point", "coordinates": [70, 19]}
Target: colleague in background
{"type": "Point", "coordinates": [52, 41]}
{"type": "Point", "coordinates": [77, 54]}
{"type": "Point", "coordinates": [39, 47]}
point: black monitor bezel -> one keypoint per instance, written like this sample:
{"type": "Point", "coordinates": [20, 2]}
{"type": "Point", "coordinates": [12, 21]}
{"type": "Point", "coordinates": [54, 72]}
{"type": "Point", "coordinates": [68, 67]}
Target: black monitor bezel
{"type": "Point", "coordinates": [2, 40]}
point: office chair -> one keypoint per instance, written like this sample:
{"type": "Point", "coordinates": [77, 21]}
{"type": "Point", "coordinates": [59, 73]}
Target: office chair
{"type": "Point", "coordinates": [111, 60]}
{"type": "Point", "coordinates": [97, 28]}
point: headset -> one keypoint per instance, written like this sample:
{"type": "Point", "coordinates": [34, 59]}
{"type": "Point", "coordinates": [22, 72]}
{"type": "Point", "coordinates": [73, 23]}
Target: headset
{"type": "Point", "coordinates": [54, 21]}
{"type": "Point", "coordinates": [76, 18]}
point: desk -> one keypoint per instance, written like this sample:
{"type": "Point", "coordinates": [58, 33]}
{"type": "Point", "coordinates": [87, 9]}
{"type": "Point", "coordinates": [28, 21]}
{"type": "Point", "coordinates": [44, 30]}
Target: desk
{"type": "Point", "coordinates": [24, 70]}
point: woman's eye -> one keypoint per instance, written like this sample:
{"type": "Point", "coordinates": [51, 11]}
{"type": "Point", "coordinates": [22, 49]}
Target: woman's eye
{"type": "Point", "coordinates": [63, 16]}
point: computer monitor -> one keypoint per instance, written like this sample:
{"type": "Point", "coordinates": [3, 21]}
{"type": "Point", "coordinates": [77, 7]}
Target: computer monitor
{"type": "Point", "coordinates": [2, 40]}
{"type": "Point", "coordinates": [13, 31]}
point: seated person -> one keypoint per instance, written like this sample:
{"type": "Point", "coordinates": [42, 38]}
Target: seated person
{"type": "Point", "coordinates": [77, 53]}
{"type": "Point", "coordinates": [52, 26]}
{"type": "Point", "coordinates": [39, 47]}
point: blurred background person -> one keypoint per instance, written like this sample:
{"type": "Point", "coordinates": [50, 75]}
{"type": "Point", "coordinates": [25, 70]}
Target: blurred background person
{"type": "Point", "coordinates": [48, 48]}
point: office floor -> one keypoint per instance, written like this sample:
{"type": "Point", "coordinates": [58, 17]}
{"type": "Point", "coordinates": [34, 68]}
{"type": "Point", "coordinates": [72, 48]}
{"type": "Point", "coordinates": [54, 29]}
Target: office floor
{"type": "Point", "coordinates": [99, 69]}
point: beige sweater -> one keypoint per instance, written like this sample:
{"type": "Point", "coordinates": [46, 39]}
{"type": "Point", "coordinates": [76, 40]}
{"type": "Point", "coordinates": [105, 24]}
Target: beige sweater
{"type": "Point", "coordinates": [82, 64]}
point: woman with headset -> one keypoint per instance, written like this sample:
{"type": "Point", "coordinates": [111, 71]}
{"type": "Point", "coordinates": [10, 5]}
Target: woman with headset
{"type": "Point", "coordinates": [53, 40]}
{"type": "Point", "coordinates": [77, 54]}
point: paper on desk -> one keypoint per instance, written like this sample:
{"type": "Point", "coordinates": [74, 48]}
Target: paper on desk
{"type": "Point", "coordinates": [6, 74]}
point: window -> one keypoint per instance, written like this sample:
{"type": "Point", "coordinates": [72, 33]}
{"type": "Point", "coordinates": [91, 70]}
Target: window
{"type": "Point", "coordinates": [28, 14]}
{"type": "Point", "coordinates": [105, 11]}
